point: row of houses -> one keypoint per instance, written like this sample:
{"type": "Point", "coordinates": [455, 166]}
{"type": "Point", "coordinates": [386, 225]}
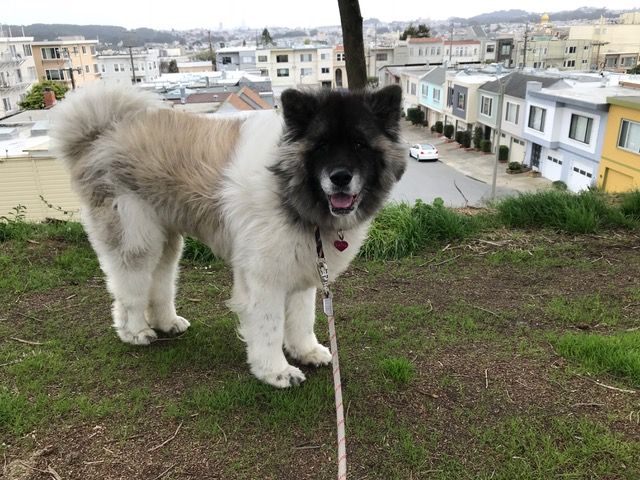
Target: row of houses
{"type": "Point", "coordinates": [581, 129]}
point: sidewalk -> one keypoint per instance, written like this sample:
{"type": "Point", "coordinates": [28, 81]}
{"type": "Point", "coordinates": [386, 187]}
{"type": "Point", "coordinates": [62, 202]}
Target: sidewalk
{"type": "Point", "coordinates": [473, 164]}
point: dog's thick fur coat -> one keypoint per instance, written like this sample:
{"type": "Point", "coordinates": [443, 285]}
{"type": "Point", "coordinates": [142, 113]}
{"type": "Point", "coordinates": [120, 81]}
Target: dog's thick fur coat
{"type": "Point", "coordinates": [253, 188]}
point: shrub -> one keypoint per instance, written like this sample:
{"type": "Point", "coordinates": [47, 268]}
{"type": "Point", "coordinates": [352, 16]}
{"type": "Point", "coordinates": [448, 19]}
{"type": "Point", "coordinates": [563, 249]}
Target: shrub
{"type": "Point", "coordinates": [514, 166]}
{"type": "Point", "coordinates": [503, 153]}
{"type": "Point", "coordinates": [465, 138]}
{"type": "Point", "coordinates": [586, 212]}
{"type": "Point", "coordinates": [401, 230]}
{"type": "Point", "coordinates": [433, 128]}
{"type": "Point", "coordinates": [448, 131]}
{"type": "Point", "coordinates": [439, 126]}
{"type": "Point", "coordinates": [485, 146]}
{"type": "Point", "coordinates": [630, 204]}
{"type": "Point", "coordinates": [459, 136]}
{"type": "Point", "coordinates": [415, 116]}
{"type": "Point", "coordinates": [559, 185]}
{"type": "Point", "coordinates": [477, 137]}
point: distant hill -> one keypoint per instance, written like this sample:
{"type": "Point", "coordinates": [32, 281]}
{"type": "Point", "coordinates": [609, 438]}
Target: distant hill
{"type": "Point", "coordinates": [519, 16]}
{"type": "Point", "coordinates": [107, 34]}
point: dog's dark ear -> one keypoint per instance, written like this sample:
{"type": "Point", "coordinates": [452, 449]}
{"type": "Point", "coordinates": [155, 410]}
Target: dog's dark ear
{"type": "Point", "coordinates": [386, 106]}
{"type": "Point", "coordinates": [298, 108]}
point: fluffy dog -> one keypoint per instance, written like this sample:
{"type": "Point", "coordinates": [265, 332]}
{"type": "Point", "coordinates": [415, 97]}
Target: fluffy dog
{"type": "Point", "coordinates": [253, 188]}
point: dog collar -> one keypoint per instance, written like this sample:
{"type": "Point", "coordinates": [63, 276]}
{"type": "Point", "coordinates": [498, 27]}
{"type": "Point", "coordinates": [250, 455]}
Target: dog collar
{"type": "Point", "coordinates": [341, 244]}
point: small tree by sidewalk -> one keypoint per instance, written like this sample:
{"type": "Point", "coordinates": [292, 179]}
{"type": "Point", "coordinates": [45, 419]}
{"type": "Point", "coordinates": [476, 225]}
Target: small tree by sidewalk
{"type": "Point", "coordinates": [448, 131]}
{"type": "Point", "coordinates": [477, 137]}
{"type": "Point", "coordinates": [485, 146]}
{"type": "Point", "coordinates": [415, 116]}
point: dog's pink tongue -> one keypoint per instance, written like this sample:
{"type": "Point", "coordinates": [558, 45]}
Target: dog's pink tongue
{"type": "Point", "coordinates": [341, 200]}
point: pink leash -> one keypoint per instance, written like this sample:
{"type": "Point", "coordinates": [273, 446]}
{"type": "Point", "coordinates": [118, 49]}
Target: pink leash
{"type": "Point", "coordinates": [327, 305]}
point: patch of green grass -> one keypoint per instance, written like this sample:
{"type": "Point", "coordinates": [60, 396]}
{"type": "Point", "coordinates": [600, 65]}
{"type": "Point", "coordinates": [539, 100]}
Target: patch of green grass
{"type": "Point", "coordinates": [527, 448]}
{"type": "Point", "coordinates": [630, 204]}
{"type": "Point", "coordinates": [617, 354]}
{"type": "Point", "coordinates": [401, 230]}
{"type": "Point", "coordinates": [586, 212]}
{"type": "Point", "coordinates": [398, 370]}
{"type": "Point", "coordinates": [583, 310]}
{"type": "Point", "coordinates": [198, 252]}
{"type": "Point", "coordinates": [540, 257]}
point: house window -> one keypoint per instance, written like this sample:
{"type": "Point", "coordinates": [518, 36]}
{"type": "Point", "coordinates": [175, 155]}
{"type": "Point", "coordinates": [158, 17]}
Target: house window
{"type": "Point", "coordinates": [629, 136]}
{"type": "Point", "coordinates": [305, 72]}
{"type": "Point", "coordinates": [536, 118]}
{"type": "Point", "coordinates": [506, 50]}
{"type": "Point", "coordinates": [27, 50]}
{"type": "Point", "coordinates": [226, 60]}
{"type": "Point", "coordinates": [262, 58]}
{"type": "Point", "coordinates": [247, 59]}
{"type": "Point", "coordinates": [381, 57]}
{"type": "Point", "coordinates": [33, 75]}
{"type": "Point", "coordinates": [86, 68]}
{"type": "Point", "coordinates": [283, 59]}
{"type": "Point", "coordinates": [102, 68]}
{"type": "Point", "coordinates": [582, 172]}
{"type": "Point", "coordinates": [75, 50]}
{"type": "Point", "coordinates": [6, 103]}
{"type": "Point", "coordinates": [570, 50]}
{"type": "Point", "coordinates": [49, 53]}
{"type": "Point", "coordinates": [419, 52]}
{"type": "Point", "coordinates": [554, 159]}
{"type": "Point", "coordinates": [325, 56]}
{"type": "Point", "coordinates": [93, 50]}
{"type": "Point", "coordinates": [424, 90]}
{"type": "Point", "coordinates": [569, 63]}
{"type": "Point", "coordinates": [513, 111]}
{"type": "Point", "coordinates": [538, 64]}
{"type": "Point", "coordinates": [461, 101]}
{"type": "Point", "coordinates": [84, 49]}
{"type": "Point", "coordinates": [54, 74]}
{"type": "Point", "coordinates": [580, 128]}
{"type": "Point", "coordinates": [438, 51]}
{"type": "Point", "coordinates": [305, 57]}
{"type": "Point", "coordinates": [491, 48]}
{"type": "Point", "coordinates": [485, 106]}
{"type": "Point", "coordinates": [435, 94]}
{"type": "Point", "coordinates": [340, 57]}
{"type": "Point", "coordinates": [19, 75]}
{"type": "Point", "coordinates": [95, 68]}
{"type": "Point", "coordinates": [116, 67]}
{"type": "Point", "coordinates": [413, 89]}
{"type": "Point", "coordinates": [325, 70]}
{"type": "Point", "coordinates": [283, 72]}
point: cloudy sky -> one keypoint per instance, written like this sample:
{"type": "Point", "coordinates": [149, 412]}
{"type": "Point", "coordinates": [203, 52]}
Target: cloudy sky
{"type": "Point", "coordinates": [261, 13]}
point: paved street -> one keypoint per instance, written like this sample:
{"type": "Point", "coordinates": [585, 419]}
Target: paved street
{"type": "Point", "coordinates": [470, 171]}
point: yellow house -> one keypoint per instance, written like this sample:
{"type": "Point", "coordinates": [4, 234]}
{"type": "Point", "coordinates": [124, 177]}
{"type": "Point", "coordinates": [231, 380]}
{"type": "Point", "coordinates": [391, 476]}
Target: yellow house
{"type": "Point", "coordinates": [71, 60]}
{"type": "Point", "coordinates": [620, 164]}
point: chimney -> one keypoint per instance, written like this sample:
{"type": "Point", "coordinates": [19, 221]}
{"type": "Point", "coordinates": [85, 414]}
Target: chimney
{"type": "Point", "coordinates": [49, 98]}
{"type": "Point", "coordinates": [533, 86]}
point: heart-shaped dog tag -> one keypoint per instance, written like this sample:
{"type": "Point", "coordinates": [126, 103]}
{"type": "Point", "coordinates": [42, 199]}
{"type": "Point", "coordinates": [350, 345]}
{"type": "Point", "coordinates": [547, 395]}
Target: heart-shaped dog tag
{"type": "Point", "coordinates": [340, 245]}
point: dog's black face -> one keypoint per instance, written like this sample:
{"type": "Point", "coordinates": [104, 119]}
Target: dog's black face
{"type": "Point", "coordinates": [340, 155]}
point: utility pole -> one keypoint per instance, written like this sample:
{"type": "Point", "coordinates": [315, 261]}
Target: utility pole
{"type": "Point", "coordinates": [598, 44]}
{"type": "Point", "coordinates": [497, 140]}
{"type": "Point", "coordinates": [524, 53]}
{"type": "Point", "coordinates": [211, 54]}
{"type": "Point", "coordinates": [134, 80]}
{"type": "Point", "coordinates": [450, 44]}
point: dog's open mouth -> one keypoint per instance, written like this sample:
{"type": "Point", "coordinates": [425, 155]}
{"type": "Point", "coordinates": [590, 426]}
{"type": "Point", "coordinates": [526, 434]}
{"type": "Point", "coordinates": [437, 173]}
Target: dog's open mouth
{"type": "Point", "coordinates": [342, 203]}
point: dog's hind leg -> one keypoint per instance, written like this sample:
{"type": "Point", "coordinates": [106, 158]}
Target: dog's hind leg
{"type": "Point", "coordinates": [161, 312]}
{"type": "Point", "coordinates": [299, 338]}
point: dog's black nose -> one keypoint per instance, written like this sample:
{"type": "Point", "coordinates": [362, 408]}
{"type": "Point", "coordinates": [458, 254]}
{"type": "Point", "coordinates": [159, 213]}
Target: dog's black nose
{"type": "Point", "coordinates": [341, 177]}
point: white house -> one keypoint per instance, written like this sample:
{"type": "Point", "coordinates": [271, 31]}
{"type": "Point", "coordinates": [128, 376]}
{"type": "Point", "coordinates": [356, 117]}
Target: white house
{"type": "Point", "coordinates": [297, 66]}
{"type": "Point", "coordinates": [116, 68]}
{"type": "Point", "coordinates": [17, 72]}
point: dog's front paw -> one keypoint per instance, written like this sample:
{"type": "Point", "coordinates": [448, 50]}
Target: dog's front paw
{"type": "Point", "coordinates": [319, 355]}
{"type": "Point", "coordinates": [289, 377]}
{"type": "Point", "coordinates": [143, 337]}
{"type": "Point", "coordinates": [178, 325]}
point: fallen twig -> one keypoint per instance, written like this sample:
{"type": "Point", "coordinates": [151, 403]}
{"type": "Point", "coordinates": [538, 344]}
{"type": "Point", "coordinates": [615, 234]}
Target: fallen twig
{"type": "Point", "coordinates": [486, 378]}
{"type": "Point", "coordinates": [28, 342]}
{"type": "Point", "coordinates": [165, 472]}
{"type": "Point", "coordinates": [587, 404]}
{"type": "Point", "coordinates": [445, 261]}
{"type": "Point", "coordinates": [308, 447]}
{"type": "Point", "coordinates": [12, 362]}
{"type": "Point", "coordinates": [53, 473]}
{"type": "Point", "coordinates": [30, 317]}
{"type": "Point", "coordinates": [485, 310]}
{"type": "Point", "coordinates": [623, 390]}
{"type": "Point", "coordinates": [153, 449]}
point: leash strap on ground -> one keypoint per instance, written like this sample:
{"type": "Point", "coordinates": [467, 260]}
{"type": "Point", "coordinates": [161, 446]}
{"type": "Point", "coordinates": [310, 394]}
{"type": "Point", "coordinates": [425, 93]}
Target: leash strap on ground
{"type": "Point", "coordinates": [327, 304]}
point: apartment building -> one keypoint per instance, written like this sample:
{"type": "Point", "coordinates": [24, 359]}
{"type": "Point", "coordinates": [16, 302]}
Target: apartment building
{"type": "Point", "coordinates": [125, 68]}
{"type": "Point", "coordinates": [546, 51]}
{"type": "Point", "coordinates": [425, 51]}
{"type": "Point", "coordinates": [457, 52]}
{"type": "Point", "coordinates": [616, 47]}
{"type": "Point", "coordinates": [302, 66]}
{"type": "Point", "coordinates": [71, 60]}
{"type": "Point", "coordinates": [17, 72]}
{"type": "Point", "coordinates": [431, 97]}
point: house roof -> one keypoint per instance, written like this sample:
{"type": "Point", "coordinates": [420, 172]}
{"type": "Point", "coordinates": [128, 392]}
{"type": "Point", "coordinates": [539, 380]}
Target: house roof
{"type": "Point", "coordinates": [424, 40]}
{"type": "Point", "coordinates": [246, 99]}
{"type": "Point", "coordinates": [436, 76]}
{"type": "Point", "coordinates": [462, 42]}
{"type": "Point", "coordinates": [515, 84]}
{"type": "Point", "coordinates": [632, 102]}
{"type": "Point", "coordinates": [587, 95]}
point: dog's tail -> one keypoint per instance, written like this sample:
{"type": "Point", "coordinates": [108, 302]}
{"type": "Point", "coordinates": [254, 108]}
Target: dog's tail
{"type": "Point", "coordinates": [80, 119]}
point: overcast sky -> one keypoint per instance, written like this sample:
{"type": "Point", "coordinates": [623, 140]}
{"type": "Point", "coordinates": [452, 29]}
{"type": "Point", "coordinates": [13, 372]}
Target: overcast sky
{"type": "Point", "coordinates": [261, 13]}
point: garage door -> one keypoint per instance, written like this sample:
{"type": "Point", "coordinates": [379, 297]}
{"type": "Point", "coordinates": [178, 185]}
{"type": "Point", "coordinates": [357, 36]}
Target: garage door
{"type": "Point", "coordinates": [517, 151]}
{"type": "Point", "coordinates": [615, 181]}
{"type": "Point", "coordinates": [552, 167]}
{"type": "Point", "coordinates": [580, 177]}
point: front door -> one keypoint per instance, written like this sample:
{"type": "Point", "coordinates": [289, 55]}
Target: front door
{"type": "Point", "coordinates": [536, 151]}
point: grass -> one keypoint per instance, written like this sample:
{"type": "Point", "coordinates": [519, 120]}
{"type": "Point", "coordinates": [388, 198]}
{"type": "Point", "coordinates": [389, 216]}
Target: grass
{"type": "Point", "coordinates": [583, 310]}
{"type": "Point", "coordinates": [617, 354]}
{"type": "Point", "coordinates": [398, 370]}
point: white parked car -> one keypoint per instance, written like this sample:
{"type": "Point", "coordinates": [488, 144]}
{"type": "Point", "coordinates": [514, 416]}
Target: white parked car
{"type": "Point", "coordinates": [424, 151]}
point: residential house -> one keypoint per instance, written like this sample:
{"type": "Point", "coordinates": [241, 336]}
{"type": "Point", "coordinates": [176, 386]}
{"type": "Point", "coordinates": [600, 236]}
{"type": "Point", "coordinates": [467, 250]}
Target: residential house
{"type": "Point", "coordinates": [431, 95]}
{"type": "Point", "coordinates": [17, 72]}
{"type": "Point", "coordinates": [620, 165]}
{"type": "Point", "coordinates": [459, 52]}
{"type": "Point", "coordinates": [565, 129]}
{"type": "Point", "coordinates": [408, 78]}
{"type": "Point", "coordinates": [425, 51]}
{"type": "Point", "coordinates": [378, 57]}
{"type": "Point", "coordinates": [116, 68]}
{"type": "Point", "coordinates": [304, 65]}
{"type": "Point", "coordinates": [244, 100]}
{"type": "Point", "coordinates": [236, 58]}
{"type": "Point", "coordinates": [339, 67]}
{"type": "Point", "coordinates": [71, 60]}
{"type": "Point", "coordinates": [195, 67]}
{"type": "Point", "coordinates": [514, 89]}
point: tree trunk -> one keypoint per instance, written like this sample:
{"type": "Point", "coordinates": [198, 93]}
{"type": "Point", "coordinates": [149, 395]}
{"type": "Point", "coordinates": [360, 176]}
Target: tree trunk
{"type": "Point", "coordinates": [351, 21]}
